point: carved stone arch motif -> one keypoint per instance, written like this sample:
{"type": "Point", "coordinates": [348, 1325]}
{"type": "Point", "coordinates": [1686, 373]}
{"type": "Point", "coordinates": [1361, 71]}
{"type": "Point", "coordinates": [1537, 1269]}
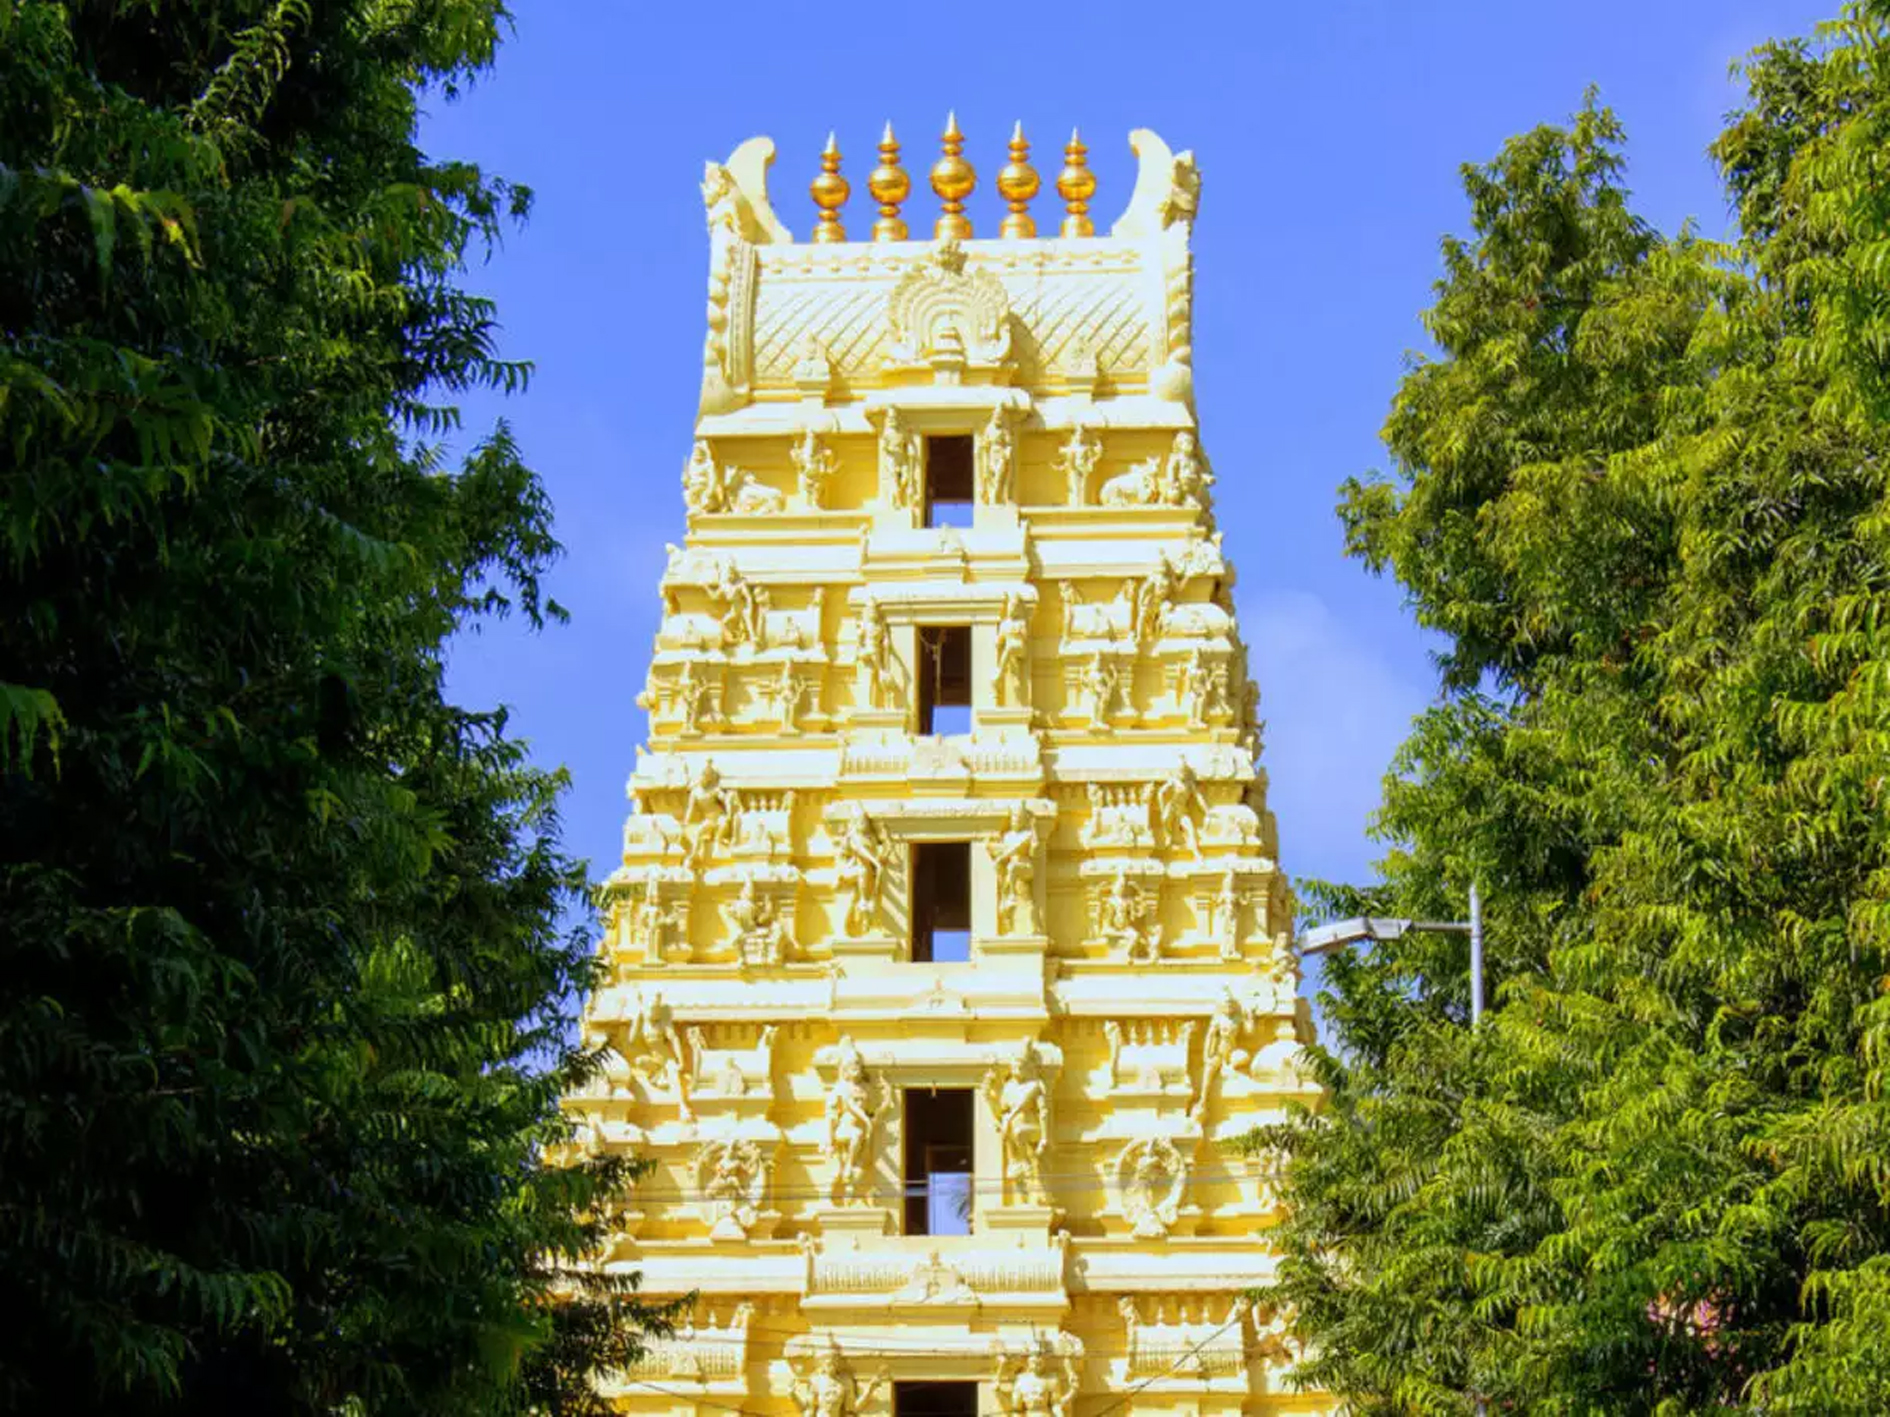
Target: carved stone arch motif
{"type": "Point", "coordinates": [945, 316]}
{"type": "Point", "coordinates": [732, 1181]}
{"type": "Point", "coordinates": [1151, 1178]}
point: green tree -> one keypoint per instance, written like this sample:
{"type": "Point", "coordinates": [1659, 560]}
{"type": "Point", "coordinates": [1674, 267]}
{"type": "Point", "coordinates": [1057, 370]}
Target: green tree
{"type": "Point", "coordinates": [284, 987]}
{"type": "Point", "coordinates": [1641, 492]}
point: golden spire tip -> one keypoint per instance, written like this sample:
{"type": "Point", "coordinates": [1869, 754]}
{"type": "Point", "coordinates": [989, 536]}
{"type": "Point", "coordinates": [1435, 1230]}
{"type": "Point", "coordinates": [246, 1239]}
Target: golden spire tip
{"type": "Point", "coordinates": [1076, 184]}
{"type": "Point", "coordinates": [829, 191]}
{"type": "Point", "coordinates": [1017, 184]}
{"type": "Point", "coordinates": [953, 179]}
{"type": "Point", "coordinates": [889, 186]}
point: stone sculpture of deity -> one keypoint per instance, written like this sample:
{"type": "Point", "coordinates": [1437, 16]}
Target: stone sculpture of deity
{"type": "Point", "coordinates": [1040, 1383]}
{"type": "Point", "coordinates": [829, 1389]}
{"type": "Point", "coordinates": [864, 854]}
{"type": "Point", "coordinates": [1078, 460]}
{"type": "Point", "coordinates": [1020, 1102]}
{"type": "Point", "coordinates": [1011, 680]}
{"type": "Point", "coordinates": [1014, 854]}
{"type": "Point", "coordinates": [855, 1105]}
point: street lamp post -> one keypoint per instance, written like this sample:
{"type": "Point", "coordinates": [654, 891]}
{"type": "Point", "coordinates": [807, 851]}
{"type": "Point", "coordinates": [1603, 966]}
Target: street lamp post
{"type": "Point", "coordinates": [1333, 937]}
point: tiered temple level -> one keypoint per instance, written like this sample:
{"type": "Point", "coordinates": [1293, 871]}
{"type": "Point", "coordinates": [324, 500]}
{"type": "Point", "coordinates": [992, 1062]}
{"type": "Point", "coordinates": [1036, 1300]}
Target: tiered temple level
{"type": "Point", "coordinates": [949, 946]}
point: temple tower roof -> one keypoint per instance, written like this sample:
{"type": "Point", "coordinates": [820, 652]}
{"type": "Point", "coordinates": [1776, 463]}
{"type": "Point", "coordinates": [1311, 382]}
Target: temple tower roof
{"type": "Point", "coordinates": [829, 322]}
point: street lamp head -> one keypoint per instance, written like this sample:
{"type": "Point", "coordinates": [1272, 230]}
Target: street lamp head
{"type": "Point", "coordinates": [1372, 929]}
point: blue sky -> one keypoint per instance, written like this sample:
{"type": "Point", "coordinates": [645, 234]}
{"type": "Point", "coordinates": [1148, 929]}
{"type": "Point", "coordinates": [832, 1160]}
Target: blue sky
{"type": "Point", "coordinates": [1329, 138]}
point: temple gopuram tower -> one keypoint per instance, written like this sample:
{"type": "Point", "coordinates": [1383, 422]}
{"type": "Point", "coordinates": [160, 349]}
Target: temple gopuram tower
{"type": "Point", "coordinates": [949, 951]}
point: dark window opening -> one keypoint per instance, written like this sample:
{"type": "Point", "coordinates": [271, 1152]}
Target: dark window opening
{"type": "Point", "coordinates": [949, 479]}
{"type": "Point", "coordinates": [938, 1161]}
{"type": "Point", "coordinates": [944, 678]}
{"type": "Point", "coordinates": [935, 1400]}
{"type": "Point", "coordinates": [941, 902]}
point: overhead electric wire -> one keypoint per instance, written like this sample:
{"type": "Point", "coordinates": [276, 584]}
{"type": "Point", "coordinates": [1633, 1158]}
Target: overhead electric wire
{"type": "Point", "coordinates": [1120, 1399]}
{"type": "Point", "coordinates": [981, 1185]}
{"type": "Point", "coordinates": [899, 1348]}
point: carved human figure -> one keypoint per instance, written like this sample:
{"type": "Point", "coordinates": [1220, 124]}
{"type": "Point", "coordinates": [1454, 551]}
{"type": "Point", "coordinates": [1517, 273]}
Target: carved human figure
{"type": "Point", "coordinates": [1131, 1319]}
{"type": "Point", "coordinates": [1151, 1177]}
{"type": "Point", "coordinates": [651, 920]}
{"type": "Point", "coordinates": [1200, 685]}
{"type": "Point", "coordinates": [1152, 594]}
{"type": "Point", "coordinates": [875, 654]}
{"type": "Point", "coordinates": [744, 607]}
{"type": "Point", "coordinates": [1178, 808]}
{"type": "Point", "coordinates": [1103, 681]}
{"type": "Point", "coordinates": [830, 1389]}
{"type": "Point", "coordinates": [761, 936]}
{"type": "Point", "coordinates": [1072, 601]}
{"type": "Point", "coordinates": [864, 853]}
{"type": "Point", "coordinates": [1011, 679]}
{"type": "Point", "coordinates": [813, 374]}
{"type": "Point", "coordinates": [1251, 727]}
{"type": "Point", "coordinates": [855, 1104]}
{"type": "Point", "coordinates": [1268, 1165]}
{"type": "Point", "coordinates": [709, 814]}
{"type": "Point", "coordinates": [1222, 1051]}
{"type": "Point", "coordinates": [1185, 477]}
{"type": "Point", "coordinates": [814, 467]}
{"type": "Point", "coordinates": [1218, 708]}
{"type": "Point", "coordinates": [1281, 966]}
{"type": "Point", "coordinates": [898, 461]}
{"type": "Point", "coordinates": [698, 695]}
{"type": "Point", "coordinates": [1121, 921]}
{"type": "Point", "coordinates": [1042, 1383]}
{"type": "Point", "coordinates": [733, 1178]}
{"type": "Point", "coordinates": [1021, 1104]}
{"type": "Point", "coordinates": [790, 694]}
{"type": "Point", "coordinates": [1077, 460]}
{"type": "Point", "coordinates": [705, 487]}
{"type": "Point", "coordinates": [996, 460]}
{"type": "Point", "coordinates": [653, 1050]}
{"type": "Point", "coordinates": [1112, 1035]}
{"type": "Point", "coordinates": [1227, 911]}
{"type": "Point", "coordinates": [1014, 854]}
{"type": "Point", "coordinates": [749, 496]}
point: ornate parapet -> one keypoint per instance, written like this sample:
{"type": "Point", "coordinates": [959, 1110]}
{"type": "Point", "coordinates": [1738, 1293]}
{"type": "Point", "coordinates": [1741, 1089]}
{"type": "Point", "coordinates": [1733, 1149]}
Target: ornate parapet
{"type": "Point", "coordinates": [706, 1357]}
{"type": "Point", "coordinates": [1186, 1344]}
{"type": "Point", "coordinates": [936, 1274]}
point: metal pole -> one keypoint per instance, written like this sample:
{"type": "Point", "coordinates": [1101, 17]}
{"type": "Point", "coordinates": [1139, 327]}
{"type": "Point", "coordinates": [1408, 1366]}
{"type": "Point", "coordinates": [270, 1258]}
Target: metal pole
{"type": "Point", "coordinates": [1476, 1008]}
{"type": "Point", "coordinates": [1476, 956]}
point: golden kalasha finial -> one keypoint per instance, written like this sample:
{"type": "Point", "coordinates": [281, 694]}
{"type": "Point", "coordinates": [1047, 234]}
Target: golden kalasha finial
{"type": "Point", "coordinates": [889, 186]}
{"type": "Point", "coordinates": [1017, 184]}
{"type": "Point", "coordinates": [953, 179]}
{"type": "Point", "coordinates": [830, 193]}
{"type": "Point", "coordinates": [1076, 184]}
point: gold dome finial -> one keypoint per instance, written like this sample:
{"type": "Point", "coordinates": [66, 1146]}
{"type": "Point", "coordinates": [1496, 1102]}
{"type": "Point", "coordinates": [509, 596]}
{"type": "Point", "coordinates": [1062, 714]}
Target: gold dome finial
{"type": "Point", "coordinates": [1076, 184]}
{"type": "Point", "coordinates": [890, 186]}
{"type": "Point", "coordinates": [1017, 184]}
{"type": "Point", "coordinates": [830, 192]}
{"type": "Point", "coordinates": [952, 180]}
